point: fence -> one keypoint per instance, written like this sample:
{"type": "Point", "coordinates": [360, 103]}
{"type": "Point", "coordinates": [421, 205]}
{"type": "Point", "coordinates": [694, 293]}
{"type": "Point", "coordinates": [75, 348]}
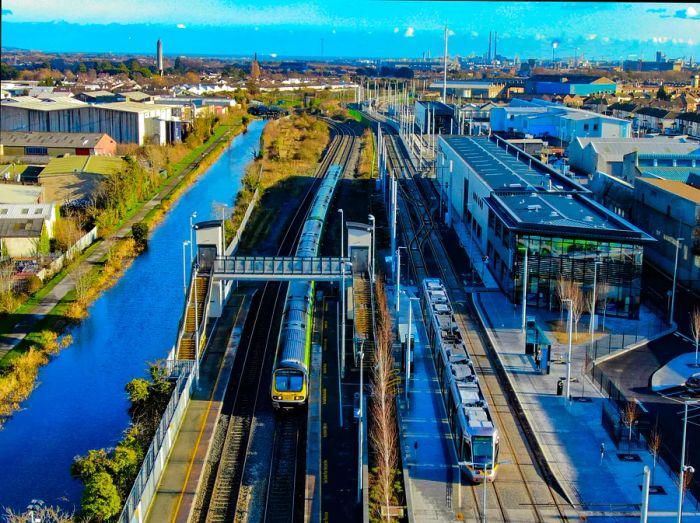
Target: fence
{"type": "Point", "coordinates": [59, 262]}
{"type": "Point", "coordinates": [612, 343]}
{"type": "Point", "coordinates": [149, 475]}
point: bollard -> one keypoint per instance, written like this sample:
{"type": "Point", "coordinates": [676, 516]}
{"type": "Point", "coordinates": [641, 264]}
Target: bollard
{"type": "Point", "coordinates": [560, 387]}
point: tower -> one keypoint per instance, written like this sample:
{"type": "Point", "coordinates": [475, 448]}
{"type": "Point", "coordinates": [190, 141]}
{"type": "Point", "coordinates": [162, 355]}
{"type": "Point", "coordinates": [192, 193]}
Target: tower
{"type": "Point", "coordinates": [159, 57]}
{"type": "Point", "coordinates": [255, 69]}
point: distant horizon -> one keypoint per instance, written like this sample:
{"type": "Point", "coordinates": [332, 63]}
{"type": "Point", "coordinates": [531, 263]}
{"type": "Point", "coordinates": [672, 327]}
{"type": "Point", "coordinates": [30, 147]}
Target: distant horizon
{"type": "Point", "coordinates": [365, 29]}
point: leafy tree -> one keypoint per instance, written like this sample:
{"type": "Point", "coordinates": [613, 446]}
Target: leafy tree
{"type": "Point", "coordinates": [661, 94]}
{"type": "Point", "coordinates": [138, 390]}
{"type": "Point", "coordinates": [7, 72]}
{"type": "Point", "coordinates": [100, 499]}
{"type": "Point", "coordinates": [86, 467]}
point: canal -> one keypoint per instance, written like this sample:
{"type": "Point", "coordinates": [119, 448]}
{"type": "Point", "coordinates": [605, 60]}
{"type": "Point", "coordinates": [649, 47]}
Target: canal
{"type": "Point", "coordinates": [80, 403]}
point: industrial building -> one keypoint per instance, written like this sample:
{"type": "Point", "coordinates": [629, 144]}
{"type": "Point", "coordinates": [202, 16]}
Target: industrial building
{"type": "Point", "coordinates": [589, 155]}
{"type": "Point", "coordinates": [471, 89]}
{"type": "Point", "coordinates": [573, 85]}
{"type": "Point", "coordinates": [125, 122]}
{"type": "Point", "coordinates": [55, 144]}
{"type": "Point", "coordinates": [76, 178]}
{"type": "Point", "coordinates": [542, 119]}
{"type": "Point", "coordinates": [509, 201]}
{"type": "Point", "coordinates": [435, 117]}
{"type": "Point", "coordinates": [645, 66]}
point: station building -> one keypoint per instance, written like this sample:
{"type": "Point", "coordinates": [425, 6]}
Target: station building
{"type": "Point", "coordinates": [510, 202]}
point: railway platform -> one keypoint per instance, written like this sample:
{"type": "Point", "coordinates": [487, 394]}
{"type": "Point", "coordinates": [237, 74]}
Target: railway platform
{"type": "Point", "coordinates": [600, 480]}
{"type": "Point", "coordinates": [176, 492]}
{"type": "Point", "coordinates": [430, 472]}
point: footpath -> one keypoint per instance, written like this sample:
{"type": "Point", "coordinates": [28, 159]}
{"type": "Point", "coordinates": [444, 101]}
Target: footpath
{"type": "Point", "coordinates": [27, 324]}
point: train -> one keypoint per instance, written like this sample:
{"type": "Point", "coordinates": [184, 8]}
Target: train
{"type": "Point", "coordinates": [290, 378]}
{"type": "Point", "coordinates": [474, 435]}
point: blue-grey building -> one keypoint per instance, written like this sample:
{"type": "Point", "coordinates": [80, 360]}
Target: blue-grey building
{"type": "Point", "coordinates": [574, 85]}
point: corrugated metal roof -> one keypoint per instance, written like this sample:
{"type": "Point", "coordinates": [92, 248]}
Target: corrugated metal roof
{"type": "Point", "coordinates": [27, 102]}
{"type": "Point", "coordinates": [133, 107]}
{"type": "Point", "coordinates": [38, 139]}
{"type": "Point", "coordinates": [675, 187]}
{"type": "Point", "coordinates": [21, 228]}
{"type": "Point", "coordinates": [25, 211]}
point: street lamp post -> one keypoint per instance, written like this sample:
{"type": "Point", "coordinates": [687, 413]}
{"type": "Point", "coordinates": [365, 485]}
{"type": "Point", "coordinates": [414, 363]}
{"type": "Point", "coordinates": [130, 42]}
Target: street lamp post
{"type": "Point", "coordinates": [374, 243]}
{"type": "Point", "coordinates": [568, 359]}
{"type": "Point", "coordinates": [673, 290]}
{"type": "Point", "coordinates": [594, 298]}
{"type": "Point", "coordinates": [195, 270]}
{"type": "Point", "coordinates": [398, 280]}
{"type": "Point", "coordinates": [684, 469]}
{"type": "Point", "coordinates": [524, 322]}
{"type": "Point", "coordinates": [360, 425]}
{"type": "Point", "coordinates": [192, 217]}
{"type": "Point", "coordinates": [184, 267]}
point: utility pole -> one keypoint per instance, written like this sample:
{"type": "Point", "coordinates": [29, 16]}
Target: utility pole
{"type": "Point", "coordinates": [444, 73]}
{"type": "Point", "coordinates": [673, 290]}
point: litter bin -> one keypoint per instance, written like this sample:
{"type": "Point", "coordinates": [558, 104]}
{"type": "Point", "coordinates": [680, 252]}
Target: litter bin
{"type": "Point", "coordinates": [560, 387]}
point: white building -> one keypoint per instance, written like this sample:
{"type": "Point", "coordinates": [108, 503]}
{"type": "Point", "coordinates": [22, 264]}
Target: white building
{"type": "Point", "coordinates": [541, 119]}
{"type": "Point", "coordinates": [23, 226]}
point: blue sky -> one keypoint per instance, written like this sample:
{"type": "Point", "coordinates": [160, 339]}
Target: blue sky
{"type": "Point", "coordinates": [357, 28]}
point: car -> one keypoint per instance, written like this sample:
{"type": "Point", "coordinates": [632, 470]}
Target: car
{"type": "Point", "coordinates": [692, 384]}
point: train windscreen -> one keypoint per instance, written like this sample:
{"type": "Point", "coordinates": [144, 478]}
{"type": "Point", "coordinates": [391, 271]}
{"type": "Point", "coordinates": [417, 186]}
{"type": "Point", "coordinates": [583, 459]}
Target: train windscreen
{"type": "Point", "coordinates": [289, 381]}
{"type": "Point", "coordinates": [482, 451]}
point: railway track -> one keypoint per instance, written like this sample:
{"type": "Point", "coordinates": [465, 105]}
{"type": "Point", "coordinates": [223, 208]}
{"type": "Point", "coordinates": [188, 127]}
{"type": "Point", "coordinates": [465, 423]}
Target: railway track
{"type": "Point", "coordinates": [520, 492]}
{"type": "Point", "coordinates": [222, 496]}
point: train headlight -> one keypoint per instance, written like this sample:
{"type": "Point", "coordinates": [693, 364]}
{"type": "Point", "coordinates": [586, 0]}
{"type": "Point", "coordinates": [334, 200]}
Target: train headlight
{"type": "Point", "coordinates": [275, 397]}
{"type": "Point", "coordinates": [298, 397]}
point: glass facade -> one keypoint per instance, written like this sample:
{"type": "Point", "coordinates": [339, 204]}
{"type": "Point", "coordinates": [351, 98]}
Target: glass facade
{"type": "Point", "coordinates": [620, 269]}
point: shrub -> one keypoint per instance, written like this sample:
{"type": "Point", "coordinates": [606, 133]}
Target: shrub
{"type": "Point", "coordinates": [139, 231]}
{"type": "Point", "coordinates": [100, 499]}
{"type": "Point", "coordinates": [34, 283]}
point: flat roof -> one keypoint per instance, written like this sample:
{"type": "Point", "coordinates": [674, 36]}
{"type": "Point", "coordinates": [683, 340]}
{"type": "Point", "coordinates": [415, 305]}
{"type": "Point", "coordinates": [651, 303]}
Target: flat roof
{"type": "Point", "coordinates": [39, 139]}
{"type": "Point", "coordinates": [675, 187]}
{"type": "Point", "coordinates": [12, 193]}
{"type": "Point", "coordinates": [37, 104]}
{"type": "Point", "coordinates": [82, 164]}
{"type": "Point", "coordinates": [502, 171]}
{"type": "Point", "coordinates": [133, 107]}
{"type": "Point", "coordinates": [569, 215]}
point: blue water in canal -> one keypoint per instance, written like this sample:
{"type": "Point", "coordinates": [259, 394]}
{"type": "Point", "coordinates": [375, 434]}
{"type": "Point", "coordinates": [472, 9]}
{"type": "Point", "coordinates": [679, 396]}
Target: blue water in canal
{"type": "Point", "coordinates": [80, 403]}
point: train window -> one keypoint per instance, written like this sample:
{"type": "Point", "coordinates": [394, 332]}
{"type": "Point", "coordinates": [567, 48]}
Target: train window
{"type": "Point", "coordinates": [289, 381]}
{"type": "Point", "coordinates": [482, 450]}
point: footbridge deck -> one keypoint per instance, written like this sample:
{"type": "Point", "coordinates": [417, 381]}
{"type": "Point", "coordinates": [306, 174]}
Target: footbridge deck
{"type": "Point", "coordinates": [281, 268]}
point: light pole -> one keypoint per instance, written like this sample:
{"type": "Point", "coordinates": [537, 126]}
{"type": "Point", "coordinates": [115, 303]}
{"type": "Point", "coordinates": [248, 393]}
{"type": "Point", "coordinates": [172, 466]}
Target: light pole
{"type": "Point", "coordinates": [568, 359]}
{"type": "Point", "coordinates": [360, 425]}
{"type": "Point", "coordinates": [673, 290]}
{"type": "Point", "coordinates": [645, 495]}
{"type": "Point", "coordinates": [342, 232]}
{"type": "Point", "coordinates": [374, 243]}
{"type": "Point", "coordinates": [342, 294]}
{"type": "Point", "coordinates": [398, 281]}
{"type": "Point", "coordinates": [223, 221]}
{"type": "Point", "coordinates": [195, 269]}
{"type": "Point", "coordinates": [192, 217]}
{"type": "Point", "coordinates": [411, 299]}
{"type": "Point", "coordinates": [684, 468]}
{"type": "Point", "coordinates": [594, 298]}
{"type": "Point", "coordinates": [184, 267]}
{"type": "Point", "coordinates": [524, 322]}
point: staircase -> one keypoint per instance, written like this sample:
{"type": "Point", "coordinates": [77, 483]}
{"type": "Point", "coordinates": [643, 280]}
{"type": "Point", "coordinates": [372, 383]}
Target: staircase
{"type": "Point", "coordinates": [187, 346]}
{"type": "Point", "coordinates": [363, 322]}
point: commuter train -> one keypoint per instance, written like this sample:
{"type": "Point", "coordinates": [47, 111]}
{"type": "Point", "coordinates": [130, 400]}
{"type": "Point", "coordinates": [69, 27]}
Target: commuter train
{"type": "Point", "coordinates": [290, 378]}
{"type": "Point", "coordinates": [473, 433]}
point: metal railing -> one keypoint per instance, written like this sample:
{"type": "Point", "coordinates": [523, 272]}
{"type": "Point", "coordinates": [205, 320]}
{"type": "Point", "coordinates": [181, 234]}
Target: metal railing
{"type": "Point", "coordinates": [148, 477]}
{"type": "Point", "coordinates": [279, 267]}
{"type": "Point", "coordinates": [618, 340]}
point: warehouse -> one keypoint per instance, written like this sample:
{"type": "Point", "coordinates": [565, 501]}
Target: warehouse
{"type": "Point", "coordinates": [14, 143]}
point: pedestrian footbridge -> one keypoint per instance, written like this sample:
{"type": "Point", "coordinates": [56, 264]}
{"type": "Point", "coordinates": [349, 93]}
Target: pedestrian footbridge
{"type": "Point", "coordinates": [280, 268]}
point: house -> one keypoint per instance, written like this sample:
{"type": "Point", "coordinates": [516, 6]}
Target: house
{"type": "Point", "coordinates": [624, 110]}
{"type": "Point", "coordinates": [15, 143]}
{"type": "Point", "coordinates": [689, 123]}
{"type": "Point", "coordinates": [76, 178]}
{"type": "Point", "coordinates": [25, 229]}
{"type": "Point", "coordinates": [99, 97]}
{"type": "Point", "coordinates": [655, 119]}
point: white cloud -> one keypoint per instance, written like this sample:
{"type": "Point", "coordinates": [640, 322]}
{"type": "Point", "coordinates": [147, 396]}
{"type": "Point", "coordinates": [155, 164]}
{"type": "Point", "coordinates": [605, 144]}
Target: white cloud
{"type": "Point", "coordinates": [333, 31]}
{"type": "Point", "coordinates": [273, 55]}
{"type": "Point", "coordinates": [605, 39]}
{"type": "Point", "coordinates": [181, 26]}
{"type": "Point", "coordinates": [396, 30]}
{"type": "Point", "coordinates": [539, 37]}
{"type": "Point", "coordinates": [450, 32]}
{"type": "Point", "coordinates": [474, 34]}
{"type": "Point", "coordinates": [691, 12]}
{"type": "Point", "coordinates": [591, 36]}
{"type": "Point", "coordinates": [659, 39]}
{"type": "Point", "coordinates": [410, 32]}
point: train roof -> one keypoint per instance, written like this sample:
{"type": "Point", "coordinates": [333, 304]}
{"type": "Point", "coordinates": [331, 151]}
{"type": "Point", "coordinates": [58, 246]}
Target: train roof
{"type": "Point", "coordinates": [465, 388]}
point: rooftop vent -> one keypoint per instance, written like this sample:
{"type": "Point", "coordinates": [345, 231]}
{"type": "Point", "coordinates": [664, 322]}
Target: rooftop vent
{"type": "Point", "coordinates": [535, 208]}
{"type": "Point", "coordinates": [554, 214]}
{"type": "Point", "coordinates": [588, 218]}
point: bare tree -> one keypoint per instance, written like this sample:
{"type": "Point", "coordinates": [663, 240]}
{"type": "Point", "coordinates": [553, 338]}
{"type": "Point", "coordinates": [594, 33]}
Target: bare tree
{"type": "Point", "coordinates": [43, 513]}
{"type": "Point", "coordinates": [384, 433]}
{"type": "Point", "coordinates": [655, 442]}
{"type": "Point", "coordinates": [630, 414]}
{"type": "Point", "coordinates": [578, 304]}
{"type": "Point", "coordinates": [695, 330]}
{"type": "Point", "coordinates": [563, 291]}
